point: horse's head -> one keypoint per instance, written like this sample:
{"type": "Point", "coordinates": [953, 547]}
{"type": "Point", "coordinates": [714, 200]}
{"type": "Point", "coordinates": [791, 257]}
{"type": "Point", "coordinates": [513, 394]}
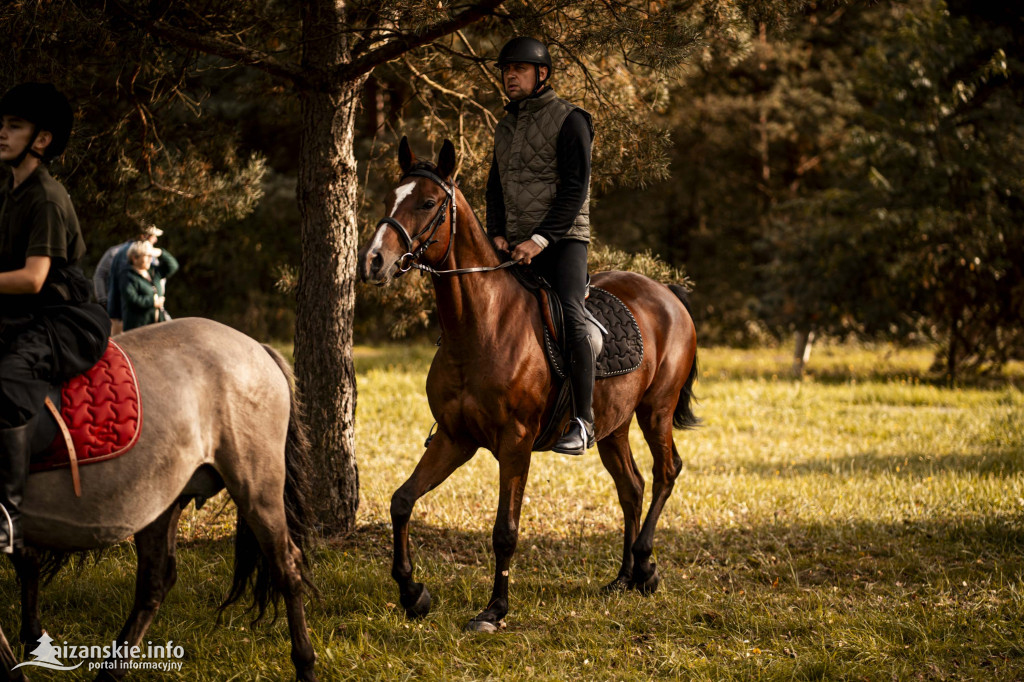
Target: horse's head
{"type": "Point", "coordinates": [418, 227]}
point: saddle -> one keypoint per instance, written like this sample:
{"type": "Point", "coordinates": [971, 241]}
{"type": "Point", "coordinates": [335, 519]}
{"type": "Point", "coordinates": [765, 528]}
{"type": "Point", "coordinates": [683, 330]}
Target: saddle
{"type": "Point", "coordinates": [93, 417]}
{"type": "Point", "coordinates": [614, 334]}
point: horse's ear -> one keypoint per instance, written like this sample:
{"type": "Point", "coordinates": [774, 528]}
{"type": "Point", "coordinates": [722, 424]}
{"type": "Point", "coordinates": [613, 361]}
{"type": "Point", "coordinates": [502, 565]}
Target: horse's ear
{"type": "Point", "coordinates": [446, 160]}
{"type": "Point", "coordinates": [406, 158]}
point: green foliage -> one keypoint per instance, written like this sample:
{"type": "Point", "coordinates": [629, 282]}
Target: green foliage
{"type": "Point", "coordinates": [858, 173]}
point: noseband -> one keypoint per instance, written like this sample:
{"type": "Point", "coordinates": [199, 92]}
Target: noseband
{"type": "Point", "coordinates": [411, 258]}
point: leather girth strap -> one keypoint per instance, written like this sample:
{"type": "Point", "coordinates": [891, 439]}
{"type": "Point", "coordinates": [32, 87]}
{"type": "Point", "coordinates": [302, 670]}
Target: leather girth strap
{"type": "Point", "coordinates": [72, 456]}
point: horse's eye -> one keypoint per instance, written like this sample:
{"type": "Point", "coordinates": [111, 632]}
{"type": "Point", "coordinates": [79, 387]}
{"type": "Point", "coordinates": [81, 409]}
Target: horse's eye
{"type": "Point", "coordinates": [429, 203]}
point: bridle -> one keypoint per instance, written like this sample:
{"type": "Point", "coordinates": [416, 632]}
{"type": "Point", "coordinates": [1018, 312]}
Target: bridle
{"type": "Point", "coordinates": [411, 258]}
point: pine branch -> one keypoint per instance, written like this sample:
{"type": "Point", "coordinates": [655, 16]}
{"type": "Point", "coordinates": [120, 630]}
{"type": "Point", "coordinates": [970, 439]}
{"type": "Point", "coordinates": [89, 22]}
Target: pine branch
{"type": "Point", "coordinates": [451, 93]}
{"type": "Point", "coordinates": [215, 46]}
{"type": "Point", "coordinates": [410, 41]}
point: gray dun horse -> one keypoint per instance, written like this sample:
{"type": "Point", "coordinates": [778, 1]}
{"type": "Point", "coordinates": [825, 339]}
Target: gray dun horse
{"type": "Point", "coordinates": [219, 411]}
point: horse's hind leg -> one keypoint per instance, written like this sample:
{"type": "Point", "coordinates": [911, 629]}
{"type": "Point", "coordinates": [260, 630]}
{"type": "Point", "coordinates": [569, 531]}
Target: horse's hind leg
{"type": "Point", "coordinates": [268, 522]}
{"type": "Point", "coordinates": [27, 563]}
{"type": "Point", "coordinates": [157, 572]}
{"type": "Point", "coordinates": [442, 457]}
{"type": "Point", "coordinates": [657, 427]}
{"type": "Point", "coordinates": [618, 460]}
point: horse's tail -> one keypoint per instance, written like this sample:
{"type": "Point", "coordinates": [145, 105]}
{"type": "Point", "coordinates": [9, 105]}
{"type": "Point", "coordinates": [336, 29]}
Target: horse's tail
{"type": "Point", "coordinates": [684, 418]}
{"type": "Point", "coordinates": [252, 567]}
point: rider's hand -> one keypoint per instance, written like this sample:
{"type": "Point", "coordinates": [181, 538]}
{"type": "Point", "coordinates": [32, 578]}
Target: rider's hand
{"type": "Point", "coordinates": [526, 251]}
{"type": "Point", "coordinates": [501, 244]}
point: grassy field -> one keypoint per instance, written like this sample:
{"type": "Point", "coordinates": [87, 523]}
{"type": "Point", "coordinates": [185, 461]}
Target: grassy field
{"type": "Point", "coordinates": [860, 524]}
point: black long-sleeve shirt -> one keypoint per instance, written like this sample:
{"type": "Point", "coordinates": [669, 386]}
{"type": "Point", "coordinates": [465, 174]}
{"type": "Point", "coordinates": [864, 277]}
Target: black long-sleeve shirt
{"type": "Point", "coordinates": [573, 158]}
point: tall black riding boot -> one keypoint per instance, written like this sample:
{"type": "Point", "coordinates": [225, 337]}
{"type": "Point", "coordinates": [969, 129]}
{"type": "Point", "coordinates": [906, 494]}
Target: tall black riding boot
{"type": "Point", "coordinates": [14, 456]}
{"type": "Point", "coordinates": [579, 434]}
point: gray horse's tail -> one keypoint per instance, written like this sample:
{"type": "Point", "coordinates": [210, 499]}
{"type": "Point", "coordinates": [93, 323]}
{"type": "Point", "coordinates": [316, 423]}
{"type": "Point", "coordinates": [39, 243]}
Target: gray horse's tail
{"type": "Point", "coordinates": [252, 567]}
{"type": "Point", "coordinates": [684, 418]}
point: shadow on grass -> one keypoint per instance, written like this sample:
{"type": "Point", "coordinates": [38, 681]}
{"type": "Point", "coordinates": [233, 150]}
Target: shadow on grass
{"type": "Point", "coordinates": [847, 555]}
{"type": "Point", "coordinates": [716, 579]}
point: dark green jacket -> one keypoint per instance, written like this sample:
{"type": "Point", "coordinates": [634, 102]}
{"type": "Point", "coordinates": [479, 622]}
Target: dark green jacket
{"type": "Point", "coordinates": [137, 292]}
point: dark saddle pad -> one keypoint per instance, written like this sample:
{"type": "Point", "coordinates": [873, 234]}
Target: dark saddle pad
{"type": "Point", "coordinates": [622, 346]}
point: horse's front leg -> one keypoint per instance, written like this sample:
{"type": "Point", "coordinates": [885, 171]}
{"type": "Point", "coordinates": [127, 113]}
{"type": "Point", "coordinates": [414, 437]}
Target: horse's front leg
{"type": "Point", "coordinates": [443, 456]}
{"type": "Point", "coordinates": [514, 466]}
{"type": "Point", "coordinates": [26, 564]}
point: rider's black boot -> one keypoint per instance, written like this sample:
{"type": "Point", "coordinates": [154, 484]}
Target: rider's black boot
{"type": "Point", "coordinates": [579, 434]}
{"type": "Point", "coordinates": [14, 456]}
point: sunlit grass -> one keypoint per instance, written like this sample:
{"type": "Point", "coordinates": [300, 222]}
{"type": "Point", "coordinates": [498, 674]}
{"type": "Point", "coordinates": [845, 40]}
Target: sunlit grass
{"type": "Point", "coordinates": [861, 523]}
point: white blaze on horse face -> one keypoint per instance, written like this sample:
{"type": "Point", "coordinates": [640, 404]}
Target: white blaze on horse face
{"type": "Point", "coordinates": [401, 194]}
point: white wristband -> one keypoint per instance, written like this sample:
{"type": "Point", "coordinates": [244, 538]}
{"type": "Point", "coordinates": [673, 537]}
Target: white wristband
{"type": "Point", "coordinates": [540, 241]}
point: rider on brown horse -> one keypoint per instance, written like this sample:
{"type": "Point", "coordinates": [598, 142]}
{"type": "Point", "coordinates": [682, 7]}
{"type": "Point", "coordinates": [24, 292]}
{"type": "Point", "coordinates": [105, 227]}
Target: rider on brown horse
{"type": "Point", "coordinates": [48, 329]}
{"type": "Point", "coordinates": [538, 202]}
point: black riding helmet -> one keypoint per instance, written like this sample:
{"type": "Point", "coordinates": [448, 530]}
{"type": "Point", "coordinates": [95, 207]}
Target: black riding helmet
{"type": "Point", "coordinates": [46, 108]}
{"type": "Point", "coordinates": [527, 51]}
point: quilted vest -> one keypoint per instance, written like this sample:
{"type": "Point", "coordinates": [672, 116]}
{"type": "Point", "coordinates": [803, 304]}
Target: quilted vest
{"type": "Point", "coordinates": [525, 146]}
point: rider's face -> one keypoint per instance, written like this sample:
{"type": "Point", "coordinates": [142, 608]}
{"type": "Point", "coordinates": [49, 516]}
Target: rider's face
{"type": "Point", "coordinates": [14, 136]}
{"type": "Point", "coordinates": [520, 79]}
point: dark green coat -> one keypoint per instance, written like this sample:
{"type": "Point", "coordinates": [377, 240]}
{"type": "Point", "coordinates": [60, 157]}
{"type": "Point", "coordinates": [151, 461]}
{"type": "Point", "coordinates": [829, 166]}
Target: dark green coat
{"type": "Point", "coordinates": [137, 293]}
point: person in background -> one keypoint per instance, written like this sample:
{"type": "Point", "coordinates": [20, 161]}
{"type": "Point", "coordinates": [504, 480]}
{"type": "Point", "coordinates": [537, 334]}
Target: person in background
{"type": "Point", "coordinates": [111, 270]}
{"type": "Point", "coordinates": [142, 286]}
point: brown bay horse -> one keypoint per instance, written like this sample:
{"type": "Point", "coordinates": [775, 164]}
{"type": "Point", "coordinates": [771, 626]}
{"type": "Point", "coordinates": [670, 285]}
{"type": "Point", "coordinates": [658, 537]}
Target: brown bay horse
{"type": "Point", "coordinates": [490, 386]}
{"type": "Point", "coordinates": [219, 411]}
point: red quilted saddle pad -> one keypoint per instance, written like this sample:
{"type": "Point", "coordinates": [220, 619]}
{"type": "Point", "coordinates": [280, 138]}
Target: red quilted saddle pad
{"type": "Point", "coordinates": [102, 410]}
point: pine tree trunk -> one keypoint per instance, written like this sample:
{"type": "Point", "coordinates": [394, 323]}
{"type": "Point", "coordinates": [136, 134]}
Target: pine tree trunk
{"type": "Point", "coordinates": [327, 189]}
{"type": "Point", "coordinates": [804, 341]}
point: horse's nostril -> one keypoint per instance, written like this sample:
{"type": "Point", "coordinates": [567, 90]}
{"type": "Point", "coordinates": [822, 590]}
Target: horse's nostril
{"type": "Point", "coordinates": [375, 264]}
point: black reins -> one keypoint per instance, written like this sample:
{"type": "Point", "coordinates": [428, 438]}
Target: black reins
{"type": "Point", "coordinates": [411, 258]}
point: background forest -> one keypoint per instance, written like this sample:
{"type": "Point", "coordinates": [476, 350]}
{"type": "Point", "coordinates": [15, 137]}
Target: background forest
{"type": "Point", "coordinates": [847, 169]}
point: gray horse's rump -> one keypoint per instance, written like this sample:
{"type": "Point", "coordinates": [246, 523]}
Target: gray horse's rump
{"type": "Point", "coordinates": [213, 400]}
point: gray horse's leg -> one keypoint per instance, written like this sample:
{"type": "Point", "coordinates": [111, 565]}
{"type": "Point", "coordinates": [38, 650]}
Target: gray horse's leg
{"type": "Point", "coordinates": [26, 563]}
{"type": "Point", "coordinates": [617, 458]}
{"type": "Point", "coordinates": [657, 428]}
{"type": "Point", "coordinates": [442, 457]}
{"type": "Point", "coordinates": [513, 468]}
{"type": "Point", "coordinates": [157, 572]}
{"type": "Point", "coordinates": [267, 519]}
{"type": "Point", "coordinates": [8, 661]}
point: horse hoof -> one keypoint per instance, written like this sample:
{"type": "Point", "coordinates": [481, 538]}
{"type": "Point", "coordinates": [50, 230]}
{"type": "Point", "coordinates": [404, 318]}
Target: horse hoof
{"type": "Point", "coordinates": [620, 584]}
{"type": "Point", "coordinates": [419, 606]}
{"type": "Point", "coordinates": [484, 626]}
{"type": "Point", "coordinates": [648, 585]}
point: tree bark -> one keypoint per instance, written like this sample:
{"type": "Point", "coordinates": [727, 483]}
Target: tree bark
{"type": "Point", "coordinates": [327, 187]}
{"type": "Point", "coordinates": [804, 341]}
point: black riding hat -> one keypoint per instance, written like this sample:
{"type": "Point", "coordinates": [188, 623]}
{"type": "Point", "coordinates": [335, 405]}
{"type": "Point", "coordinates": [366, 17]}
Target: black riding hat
{"type": "Point", "coordinates": [44, 106]}
{"type": "Point", "coordinates": [525, 50]}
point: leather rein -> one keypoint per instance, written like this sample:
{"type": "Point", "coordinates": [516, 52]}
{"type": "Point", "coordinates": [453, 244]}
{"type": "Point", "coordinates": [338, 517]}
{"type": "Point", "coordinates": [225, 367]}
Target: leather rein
{"type": "Point", "coordinates": [411, 258]}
